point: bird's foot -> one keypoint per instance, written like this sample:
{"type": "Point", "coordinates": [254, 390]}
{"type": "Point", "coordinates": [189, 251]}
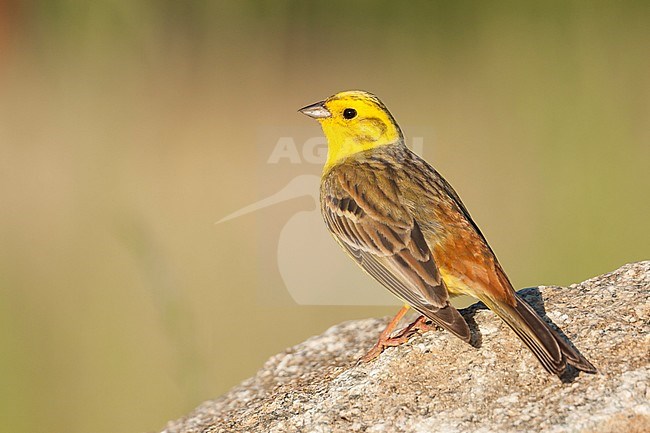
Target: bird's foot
{"type": "Point", "coordinates": [385, 339]}
{"type": "Point", "coordinates": [419, 326]}
{"type": "Point", "coordinates": [382, 344]}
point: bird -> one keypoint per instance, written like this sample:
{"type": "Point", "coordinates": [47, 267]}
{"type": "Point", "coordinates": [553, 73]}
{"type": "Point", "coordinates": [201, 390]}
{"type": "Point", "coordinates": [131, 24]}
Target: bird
{"type": "Point", "coordinates": [405, 226]}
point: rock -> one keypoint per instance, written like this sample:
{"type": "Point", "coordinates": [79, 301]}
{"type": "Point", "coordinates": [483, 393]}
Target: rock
{"type": "Point", "coordinates": [437, 383]}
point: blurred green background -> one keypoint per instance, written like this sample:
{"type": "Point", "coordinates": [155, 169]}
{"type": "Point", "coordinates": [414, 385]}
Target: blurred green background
{"type": "Point", "coordinates": [127, 128]}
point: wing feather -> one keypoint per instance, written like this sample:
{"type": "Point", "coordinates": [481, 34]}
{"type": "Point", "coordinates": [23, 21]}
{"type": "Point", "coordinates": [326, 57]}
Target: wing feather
{"type": "Point", "coordinates": [389, 245]}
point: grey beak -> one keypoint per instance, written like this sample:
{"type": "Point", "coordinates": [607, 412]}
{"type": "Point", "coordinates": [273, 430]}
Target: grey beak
{"type": "Point", "coordinates": [316, 111]}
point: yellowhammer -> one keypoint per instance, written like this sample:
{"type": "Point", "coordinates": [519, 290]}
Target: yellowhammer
{"type": "Point", "coordinates": [406, 227]}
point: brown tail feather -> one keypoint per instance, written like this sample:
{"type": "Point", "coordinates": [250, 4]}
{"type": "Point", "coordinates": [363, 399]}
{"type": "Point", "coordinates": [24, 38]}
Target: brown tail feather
{"type": "Point", "coordinates": [552, 350]}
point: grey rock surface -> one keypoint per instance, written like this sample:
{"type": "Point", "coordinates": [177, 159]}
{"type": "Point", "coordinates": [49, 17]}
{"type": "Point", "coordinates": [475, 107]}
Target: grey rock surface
{"type": "Point", "coordinates": [437, 383]}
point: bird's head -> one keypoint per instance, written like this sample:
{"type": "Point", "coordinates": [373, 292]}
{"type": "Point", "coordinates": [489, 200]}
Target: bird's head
{"type": "Point", "coordinates": [353, 121]}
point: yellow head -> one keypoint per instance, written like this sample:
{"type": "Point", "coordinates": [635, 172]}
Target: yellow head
{"type": "Point", "coordinates": [353, 121]}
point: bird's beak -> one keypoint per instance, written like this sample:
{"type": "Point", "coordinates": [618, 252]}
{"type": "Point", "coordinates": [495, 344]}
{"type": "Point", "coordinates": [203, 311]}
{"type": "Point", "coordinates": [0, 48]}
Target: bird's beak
{"type": "Point", "coordinates": [316, 111]}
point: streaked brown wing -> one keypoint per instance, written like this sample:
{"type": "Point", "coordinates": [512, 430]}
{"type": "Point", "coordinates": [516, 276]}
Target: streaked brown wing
{"type": "Point", "coordinates": [391, 248]}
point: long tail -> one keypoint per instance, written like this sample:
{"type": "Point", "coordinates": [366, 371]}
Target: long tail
{"type": "Point", "coordinates": [552, 350]}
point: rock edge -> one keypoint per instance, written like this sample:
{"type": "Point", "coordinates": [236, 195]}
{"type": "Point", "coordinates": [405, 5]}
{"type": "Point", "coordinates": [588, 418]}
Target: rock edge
{"type": "Point", "coordinates": [437, 383]}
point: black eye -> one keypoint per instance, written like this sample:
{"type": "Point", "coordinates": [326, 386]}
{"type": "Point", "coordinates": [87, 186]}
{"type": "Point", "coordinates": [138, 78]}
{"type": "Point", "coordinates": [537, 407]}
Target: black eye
{"type": "Point", "coordinates": [349, 113]}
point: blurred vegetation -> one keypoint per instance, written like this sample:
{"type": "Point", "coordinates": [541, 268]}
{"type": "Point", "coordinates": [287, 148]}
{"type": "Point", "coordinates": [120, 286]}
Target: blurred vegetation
{"type": "Point", "coordinates": [127, 128]}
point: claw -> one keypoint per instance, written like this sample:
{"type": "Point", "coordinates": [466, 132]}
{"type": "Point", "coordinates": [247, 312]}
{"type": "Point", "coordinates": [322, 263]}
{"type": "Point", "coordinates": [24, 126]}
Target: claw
{"type": "Point", "coordinates": [419, 326]}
